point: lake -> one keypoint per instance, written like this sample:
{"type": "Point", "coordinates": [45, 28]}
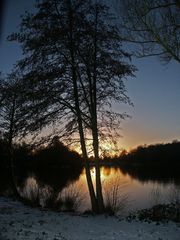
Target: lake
{"type": "Point", "coordinates": [133, 193]}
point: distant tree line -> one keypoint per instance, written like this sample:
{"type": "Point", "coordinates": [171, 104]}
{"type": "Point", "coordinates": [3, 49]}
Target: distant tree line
{"type": "Point", "coordinates": [159, 162]}
{"type": "Point", "coordinates": [53, 165]}
{"type": "Point", "coordinates": [158, 154]}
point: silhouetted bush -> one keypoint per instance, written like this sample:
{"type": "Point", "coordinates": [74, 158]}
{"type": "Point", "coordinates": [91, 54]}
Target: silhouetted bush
{"type": "Point", "coordinates": [158, 213]}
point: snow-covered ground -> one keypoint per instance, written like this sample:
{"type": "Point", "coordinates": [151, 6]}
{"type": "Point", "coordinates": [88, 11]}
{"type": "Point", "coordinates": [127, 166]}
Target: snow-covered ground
{"type": "Point", "coordinates": [21, 222]}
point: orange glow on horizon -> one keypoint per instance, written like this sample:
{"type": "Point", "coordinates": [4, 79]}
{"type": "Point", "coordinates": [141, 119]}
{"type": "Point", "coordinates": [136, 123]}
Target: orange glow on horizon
{"type": "Point", "coordinates": [105, 150]}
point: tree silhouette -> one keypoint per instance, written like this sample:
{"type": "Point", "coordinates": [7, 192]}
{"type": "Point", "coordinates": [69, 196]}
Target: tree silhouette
{"type": "Point", "coordinates": [153, 27]}
{"type": "Point", "coordinates": [12, 122]}
{"type": "Point", "coordinates": [74, 67]}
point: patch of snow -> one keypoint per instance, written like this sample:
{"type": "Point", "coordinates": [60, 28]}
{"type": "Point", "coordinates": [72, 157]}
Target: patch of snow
{"type": "Point", "coordinates": [22, 222]}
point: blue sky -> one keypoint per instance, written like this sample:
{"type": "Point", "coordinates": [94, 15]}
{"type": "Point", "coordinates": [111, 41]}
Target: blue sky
{"type": "Point", "coordinates": [155, 91]}
{"type": "Point", "coordinates": [156, 96]}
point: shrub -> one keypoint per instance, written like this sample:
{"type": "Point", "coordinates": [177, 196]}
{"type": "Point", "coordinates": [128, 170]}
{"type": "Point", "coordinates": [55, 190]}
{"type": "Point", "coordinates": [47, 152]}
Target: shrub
{"type": "Point", "coordinates": [160, 213]}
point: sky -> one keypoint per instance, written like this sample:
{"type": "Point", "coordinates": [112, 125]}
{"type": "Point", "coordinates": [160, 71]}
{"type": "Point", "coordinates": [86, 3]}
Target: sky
{"type": "Point", "coordinates": [155, 91]}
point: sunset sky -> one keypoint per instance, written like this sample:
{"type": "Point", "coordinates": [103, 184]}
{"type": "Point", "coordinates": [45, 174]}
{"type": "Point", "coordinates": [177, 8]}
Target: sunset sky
{"type": "Point", "coordinates": [155, 91]}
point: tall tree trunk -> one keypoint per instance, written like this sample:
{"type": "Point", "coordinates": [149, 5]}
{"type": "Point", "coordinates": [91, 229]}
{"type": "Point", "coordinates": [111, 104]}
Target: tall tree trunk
{"type": "Point", "coordinates": [78, 111]}
{"type": "Point", "coordinates": [98, 173]}
{"type": "Point", "coordinates": [87, 169]}
{"type": "Point", "coordinates": [94, 123]}
{"type": "Point", "coordinates": [11, 154]}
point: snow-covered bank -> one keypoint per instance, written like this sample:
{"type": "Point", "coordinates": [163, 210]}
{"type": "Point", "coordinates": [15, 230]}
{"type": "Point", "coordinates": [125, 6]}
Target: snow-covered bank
{"type": "Point", "coordinates": [21, 222]}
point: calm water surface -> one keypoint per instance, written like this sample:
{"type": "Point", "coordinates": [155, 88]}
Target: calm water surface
{"type": "Point", "coordinates": [136, 194]}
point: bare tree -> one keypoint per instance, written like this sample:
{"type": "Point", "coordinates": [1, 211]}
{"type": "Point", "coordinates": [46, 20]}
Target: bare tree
{"type": "Point", "coordinates": [101, 80]}
{"type": "Point", "coordinates": [73, 69]}
{"type": "Point", "coordinates": [11, 117]}
{"type": "Point", "coordinates": [153, 27]}
{"type": "Point", "coordinates": [77, 103]}
{"type": "Point", "coordinates": [49, 39]}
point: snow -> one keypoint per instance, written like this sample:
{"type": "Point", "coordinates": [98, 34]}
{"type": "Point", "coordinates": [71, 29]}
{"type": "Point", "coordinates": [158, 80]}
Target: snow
{"type": "Point", "coordinates": [19, 222]}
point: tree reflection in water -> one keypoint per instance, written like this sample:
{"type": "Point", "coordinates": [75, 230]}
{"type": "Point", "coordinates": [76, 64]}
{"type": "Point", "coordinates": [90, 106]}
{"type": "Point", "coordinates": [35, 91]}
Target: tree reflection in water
{"type": "Point", "coordinates": [46, 188]}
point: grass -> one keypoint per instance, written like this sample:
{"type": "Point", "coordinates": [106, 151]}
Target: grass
{"type": "Point", "coordinates": [116, 202]}
{"type": "Point", "coordinates": [31, 192]}
{"type": "Point", "coordinates": [174, 195]}
{"type": "Point", "coordinates": [70, 199]}
{"type": "Point", "coordinates": [156, 195]}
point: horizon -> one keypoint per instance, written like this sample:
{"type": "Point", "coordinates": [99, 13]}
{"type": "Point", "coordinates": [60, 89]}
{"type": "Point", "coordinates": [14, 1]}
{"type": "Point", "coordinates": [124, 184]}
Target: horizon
{"type": "Point", "coordinates": [154, 92]}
